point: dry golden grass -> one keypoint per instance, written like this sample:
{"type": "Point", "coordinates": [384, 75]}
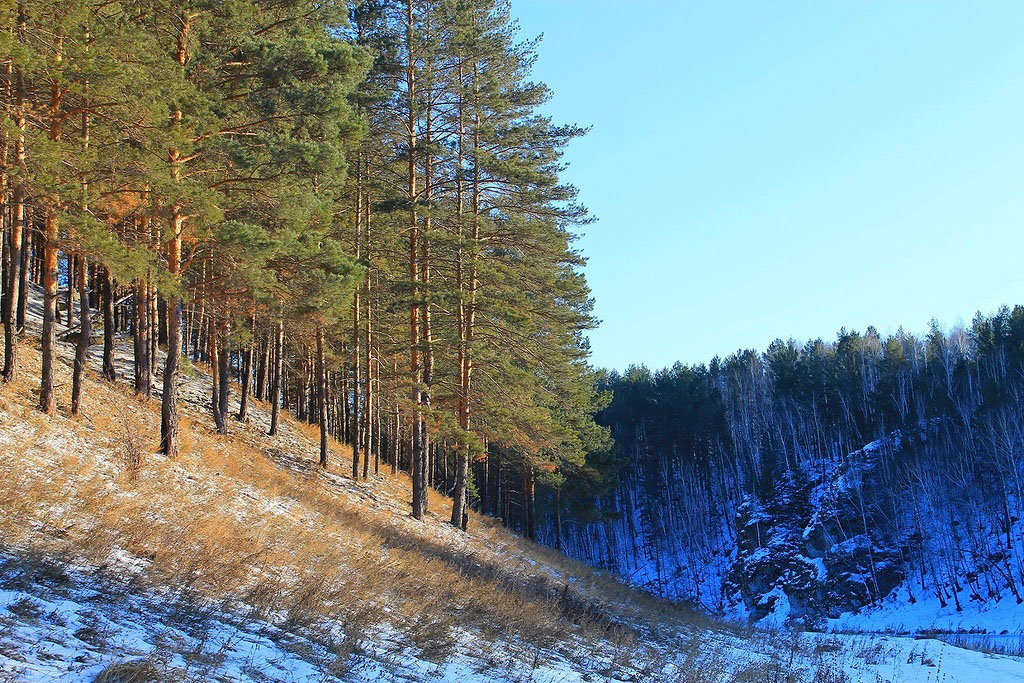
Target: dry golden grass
{"type": "Point", "coordinates": [242, 522]}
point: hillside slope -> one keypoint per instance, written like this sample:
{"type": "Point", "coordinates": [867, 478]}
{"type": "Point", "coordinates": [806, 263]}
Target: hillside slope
{"type": "Point", "coordinates": [241, 560]}
{"type": "Point", "coordinates": [811, 556]}
{"type": "Point", "coordinates": [869, 482]}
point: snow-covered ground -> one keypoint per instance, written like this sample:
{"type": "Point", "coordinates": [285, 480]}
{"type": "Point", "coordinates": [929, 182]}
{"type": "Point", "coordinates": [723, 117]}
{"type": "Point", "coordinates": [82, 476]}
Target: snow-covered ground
{"type": "Point", "coordinates": [896, 613]}
{"type": "Point", "coordinates": [58, 623]}
{"type": "Point", "coordinates": [75, 609]}
{"type": "Point", "coordinates": [62, 624]}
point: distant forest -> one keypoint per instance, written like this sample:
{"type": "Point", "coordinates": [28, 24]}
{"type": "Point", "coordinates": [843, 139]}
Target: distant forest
{"type": "Point", "coordinates": [895, 461]}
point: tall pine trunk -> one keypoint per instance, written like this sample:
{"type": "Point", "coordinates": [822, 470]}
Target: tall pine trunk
{"type": "Point", "coordinates": [50, 237]}
{"type": "Point", "coordinates": [467, 309]}
{"type": "Point", "coordinates": [46, 396]}
{"type": "Point", "coordinates": [169, 403]}
{"type": "Point", "coordinates": [419, 493]}
{"type": "Point", "coordinates": [356, 424]}
{"type": "Point", "coordinates": [321, 393]}
{"type": "Point", "coordinates": [425, 320]}
{"type": "Point", "coordinates": [82, 272]}
{"type": "Point", "coordinates": [529, 496]}
{"type": "Point", "coordinates": [264, 365]}
{"type": "Point", "coordinates": [15, 274]}
{"type": "Point", "coordinates": [26, 251]}
{"type": "Point", "coordinates": [243, 404]}
{"type": "Point", "coordinates": [218, 417]}
{"type": "Point", "coordinates": [224, 366]}
{"type": "Point", "coordinates": [140, 340]}
{"type": "Point", "coordinates": [274, 395]}
{"type": "Point", "coordinates": [368, 449]}
{"type": "Point", "coordinates": [84, 332]}
{"type": "Point", "coordinates": [107, 301]}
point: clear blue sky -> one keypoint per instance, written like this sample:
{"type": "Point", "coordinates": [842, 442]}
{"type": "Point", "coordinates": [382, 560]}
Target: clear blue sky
{"type": "Point", "coordinates": [782, 169]}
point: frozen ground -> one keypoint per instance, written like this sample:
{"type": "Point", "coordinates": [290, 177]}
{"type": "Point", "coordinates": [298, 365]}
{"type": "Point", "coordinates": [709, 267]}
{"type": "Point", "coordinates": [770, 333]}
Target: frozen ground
{"type": "Point", "coordinates": [62, 624]}
{"type": "Point", "coordinates": [58, 623]}
{"type": "Point", "coordinates": [64, 617]}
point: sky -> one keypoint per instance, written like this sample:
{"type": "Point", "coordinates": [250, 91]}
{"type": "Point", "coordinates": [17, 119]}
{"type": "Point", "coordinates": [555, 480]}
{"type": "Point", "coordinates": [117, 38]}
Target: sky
{"type": "Point", "coordinates": [782, 169]}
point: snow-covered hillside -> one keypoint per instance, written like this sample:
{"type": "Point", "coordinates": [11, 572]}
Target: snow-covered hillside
{"type": "Point", "coordinates": [809, 556]}
{"type": "Point", "coordinates": [866, 484]}
{"type": "Point", "coordinates": [241, 560]}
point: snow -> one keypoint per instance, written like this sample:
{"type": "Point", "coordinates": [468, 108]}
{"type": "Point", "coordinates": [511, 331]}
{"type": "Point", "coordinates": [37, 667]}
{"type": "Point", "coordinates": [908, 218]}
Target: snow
{"type": "Point", "coordinates": [73, 626]}
{"type": "Point", "coordinates": [896, 613]}
{"type": "Point", "coordinates": [69, 622]}
{"type": "Point", "coordinates": [74, 638]}
{"type": "Point", "coordinates": [779, 612]}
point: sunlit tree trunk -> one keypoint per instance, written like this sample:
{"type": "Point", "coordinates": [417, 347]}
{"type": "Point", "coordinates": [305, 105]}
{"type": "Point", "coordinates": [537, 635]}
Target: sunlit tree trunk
{"type": "Point", "coordinates": [82, 272]}
{"type": "Point", "coordinates": [107, 301]}
{"type": "Point", "coordinates": [14, 283]}
{"type": "Point", "coordinates": [16, 248]}
{"type": "Point", "coordinates": [243, 405]}
{"type": "Point", "coordinates": [169, 404]}
{"type": "Point", "coordinates": [216, 376]}
{"type": "Point", "coordinates": [140, 339]}
{"type": "Point", "coordinates": [368, 413]}
{"type": "Point", "coordinates": [274, 395]}
{"type": "Point", "coordinates": [46, 397]}
{"type": "Point", "coordinates": [356, 423]}
{"type": "Point", "coordinates": [529, 496]}
{"type": "Point", "coordinates": [417, 427]}
{"type": "Point", "coordinates": [427, 331]}
{"type": "Point", "coordinates": [50, 237]}
{"type": "Point", "coordinates": [84, 332]}
{"type": "Point", "coordinates": [321, 393]}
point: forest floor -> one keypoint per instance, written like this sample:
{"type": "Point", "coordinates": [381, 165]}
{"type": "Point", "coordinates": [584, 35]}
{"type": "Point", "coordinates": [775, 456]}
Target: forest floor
{"type": "Point", "coordinates": [241, 560]}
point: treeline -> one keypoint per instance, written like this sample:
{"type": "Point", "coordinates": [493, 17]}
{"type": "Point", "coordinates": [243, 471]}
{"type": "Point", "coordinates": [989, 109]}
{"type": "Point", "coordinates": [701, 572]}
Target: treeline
{"type": "Point", "coordinates": [349, 210]}
{"type": "Point", "coordinates": [768, 450]}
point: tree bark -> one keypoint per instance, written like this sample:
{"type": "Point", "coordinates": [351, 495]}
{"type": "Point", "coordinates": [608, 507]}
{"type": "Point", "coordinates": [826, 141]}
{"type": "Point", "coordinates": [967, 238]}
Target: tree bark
{"type": "Point", "coordinates": [243, 405]}
{"type": "Point", "coordinates": [321, 393]}
{"type": "Point", "coordinates": [529, 487]}
{"type": "Point", "coordinates": [356, 422]}
{"type": "Point", "coordinates": [15, 276]}
{"type": "Point", "coordinates": [140, 339]}
{"type": "Point", "coordinates": [417, 427]}
{"type": "Point", "coordinates": [558, 519]}
{"type": "Point", "coordinates": [467, 318]}
{"type": "Point", "coordinates": [220, 374]}
{"type": "Point", "coordinates": [26, 251]}
{"type": "Point", "coordinates": [50, 236]}
{"type": "Point", "coordinates": [68, 304]}
{"type": "Point", "coordinates": [84, 331]}
{"type": "Point", "coordinates": [46, 397]}
{"type": "Point", "coordinates": [109, 371]}
{"type": "Point", "coordinates": [275, 384]}
{"type": "Point", "coordinates": [396, 436]}
{"type": "Point", "coordinates": [224, 365]}
{"type": "Point", "coordinates": [264, 364]}
{"type": "Point", "coordinates": [367, 350]}
{"type": "Point", "coordinates": [169, 404]}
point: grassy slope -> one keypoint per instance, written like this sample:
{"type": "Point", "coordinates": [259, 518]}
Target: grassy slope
{"type": "Point", "coordinates": [249, 523]}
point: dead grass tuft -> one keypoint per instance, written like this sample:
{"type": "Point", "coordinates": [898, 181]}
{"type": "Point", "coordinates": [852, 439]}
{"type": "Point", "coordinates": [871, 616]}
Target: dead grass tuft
{"type": "Point", "coordinates": [131, 446]}
{"type": "Point", "coordinates": [136, 671]}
